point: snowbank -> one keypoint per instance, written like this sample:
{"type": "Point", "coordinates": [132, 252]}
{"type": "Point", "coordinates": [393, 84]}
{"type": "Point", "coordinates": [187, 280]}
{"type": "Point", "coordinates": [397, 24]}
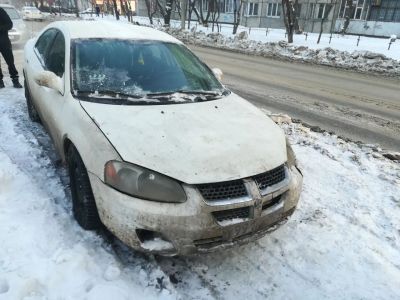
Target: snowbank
{"type": "Point", "coordinates": [361, 61]}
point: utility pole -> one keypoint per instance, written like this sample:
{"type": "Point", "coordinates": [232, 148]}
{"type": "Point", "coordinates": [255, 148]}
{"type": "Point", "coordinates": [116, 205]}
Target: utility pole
{"type": "Point", "coordinates": [183, 13]}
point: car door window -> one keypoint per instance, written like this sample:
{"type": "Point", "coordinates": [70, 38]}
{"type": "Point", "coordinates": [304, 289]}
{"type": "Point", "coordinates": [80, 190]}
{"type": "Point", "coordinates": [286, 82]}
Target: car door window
{"type": "Point", "coordinates": [55, 58]}
{"type": "Point", "coordinates": [43, 43]}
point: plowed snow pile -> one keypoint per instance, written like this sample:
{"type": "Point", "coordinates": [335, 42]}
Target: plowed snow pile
{"type": "Point", "coordinates": [342, 242]}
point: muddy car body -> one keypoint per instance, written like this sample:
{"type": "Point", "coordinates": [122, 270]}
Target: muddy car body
{"type": "Point", "coordinates": [173, 172]}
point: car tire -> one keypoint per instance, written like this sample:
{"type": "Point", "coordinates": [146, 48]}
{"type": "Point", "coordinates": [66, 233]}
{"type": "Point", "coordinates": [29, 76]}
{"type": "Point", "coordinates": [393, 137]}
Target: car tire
{"type": "Point", "coordinates": [32, 112]}
{"type": "Point", "coordinates": [83, 204]}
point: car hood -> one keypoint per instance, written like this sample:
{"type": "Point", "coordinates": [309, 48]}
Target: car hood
{"type": "Point", "coordinates": [195, 143]}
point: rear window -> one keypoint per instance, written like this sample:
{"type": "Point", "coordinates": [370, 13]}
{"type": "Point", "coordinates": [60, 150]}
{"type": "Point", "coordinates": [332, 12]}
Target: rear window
{"type": "Point", "coordinates": [12, 13]}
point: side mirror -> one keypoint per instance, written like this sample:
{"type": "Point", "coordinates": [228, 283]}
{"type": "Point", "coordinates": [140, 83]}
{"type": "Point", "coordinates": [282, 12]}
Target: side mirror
{"type": "Point", "coordinates": [218, 73]}
{"type": "Point", "coordinates": [50, 80]}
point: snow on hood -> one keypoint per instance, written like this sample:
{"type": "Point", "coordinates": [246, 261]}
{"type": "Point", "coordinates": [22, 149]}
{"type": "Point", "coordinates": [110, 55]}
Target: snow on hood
{"type": "Point", "coordinates": [201, 142]}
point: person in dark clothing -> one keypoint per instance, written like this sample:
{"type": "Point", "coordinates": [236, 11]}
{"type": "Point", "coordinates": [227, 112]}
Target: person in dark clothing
{"type": "Point", "coordinates": [97, 10]}
{"type": "Point", "coordinates": [6, 49]}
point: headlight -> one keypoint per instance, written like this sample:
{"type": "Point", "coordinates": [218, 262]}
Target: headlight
{"type": "Point", "coordinates": [291, 157]}
{"type": "Point", "coordinates": [142, 183]}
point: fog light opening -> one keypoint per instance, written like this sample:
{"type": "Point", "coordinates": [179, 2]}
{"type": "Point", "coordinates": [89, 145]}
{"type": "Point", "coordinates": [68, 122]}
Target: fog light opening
{"type": "Point", "coordinates": [153, 241]}
{"type": "Point", "coordinates": [146, 235]}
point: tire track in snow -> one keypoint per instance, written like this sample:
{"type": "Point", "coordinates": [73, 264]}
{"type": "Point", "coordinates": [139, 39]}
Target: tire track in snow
{"type": "Point", "coordinates": [190, 281]}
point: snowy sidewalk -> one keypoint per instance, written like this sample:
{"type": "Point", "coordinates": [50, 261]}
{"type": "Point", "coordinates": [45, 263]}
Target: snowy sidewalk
{"type": "Point", "coordinates": [339, 42]}
{"type": "Point", "coordinates": [342, 242]}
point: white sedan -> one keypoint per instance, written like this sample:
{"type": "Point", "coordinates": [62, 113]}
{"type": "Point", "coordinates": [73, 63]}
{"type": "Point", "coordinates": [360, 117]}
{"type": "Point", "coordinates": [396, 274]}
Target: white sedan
{"type": "Point", "coordinates": [32, 13]}
{"type": "Point", "coordinates": [157, 149]}
{"type": "Point", "coordinates": [17, 34]}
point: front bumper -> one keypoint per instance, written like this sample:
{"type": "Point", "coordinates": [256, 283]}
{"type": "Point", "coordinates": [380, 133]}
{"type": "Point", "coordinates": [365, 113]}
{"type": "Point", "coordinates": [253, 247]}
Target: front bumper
{"type": "Point", "coordinates": [190, 227]}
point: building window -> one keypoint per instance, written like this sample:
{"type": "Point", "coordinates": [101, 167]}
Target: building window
{"type": "Point", "coordinates": [298, 10]}
{"type": "Point", "coordinates": [221, 6]}
{"type": "Point", "coordinates": [274, 10]}
{"type": "Point", "coordinates": [323, 10]}
{"type": "Point", "coordinates": [386, 11]}
{"type": "Point", "coordinates": [205, 5]}
{"type": "Point", "coordinates": [252, 9]}
{"type": "Point", "coordinates": [358, 7]}
{"type": "Point", "coordinates": [229, 6]}
{"type": "Point", "coordinates": [311, 12]}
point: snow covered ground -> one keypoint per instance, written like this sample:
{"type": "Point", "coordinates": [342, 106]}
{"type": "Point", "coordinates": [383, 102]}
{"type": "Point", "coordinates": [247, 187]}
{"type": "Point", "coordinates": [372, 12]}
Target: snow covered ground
{"type": "Point", "coordinates": [342, 242]}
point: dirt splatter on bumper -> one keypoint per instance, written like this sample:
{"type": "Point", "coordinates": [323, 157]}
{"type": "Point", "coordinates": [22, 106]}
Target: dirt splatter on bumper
{"type": "Point", "coordinates": [190, 227]}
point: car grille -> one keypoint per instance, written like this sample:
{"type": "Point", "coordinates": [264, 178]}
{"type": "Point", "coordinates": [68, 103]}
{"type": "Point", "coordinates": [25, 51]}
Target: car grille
{"type": "Point", "coordinates": [231, 214]}
{"type": "Point", "coordinates": [271, 177]}
{"type": "Point", "coordinates": [272, 202]}
{"type": "Point", "coordinates": [223, 190]}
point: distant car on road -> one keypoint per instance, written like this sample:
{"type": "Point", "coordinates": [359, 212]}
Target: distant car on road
{"type": "Point", "coordinates": [18, 32]}
{"type": "Point", "coordinates": [157, 149]}
{"type": "Point", "coordinates": [32, 13]}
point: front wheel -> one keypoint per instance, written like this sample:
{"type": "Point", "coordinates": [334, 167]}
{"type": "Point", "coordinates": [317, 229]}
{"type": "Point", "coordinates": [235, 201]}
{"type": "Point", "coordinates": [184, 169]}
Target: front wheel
{"type": "Point", "coordinates": [83, 203]}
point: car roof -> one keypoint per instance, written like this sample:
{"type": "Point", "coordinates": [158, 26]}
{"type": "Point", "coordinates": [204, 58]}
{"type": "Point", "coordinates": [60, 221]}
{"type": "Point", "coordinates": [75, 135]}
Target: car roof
{"type": "Point", "coordinates": [7, 5]}
{"type": "Point", "coordinates": [111, 30]}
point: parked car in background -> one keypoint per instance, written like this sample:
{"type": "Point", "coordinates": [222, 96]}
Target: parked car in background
{"type": "Point", "coordinates": [89, 10]}
{"type": "Point", "coordinates": [18, 33]}
{"type": "Point", "coordinates": [157, 149]}
{"type": "Point", "coordinates": [32, 13]}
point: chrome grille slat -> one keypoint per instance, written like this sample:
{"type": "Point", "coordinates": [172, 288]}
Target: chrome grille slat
{"type": "Point", "coordinates": [231, 214]}
{"type": "Point", "coordinates": [270, 178]}
{"type": "Point", "coordinates": [223, 190]}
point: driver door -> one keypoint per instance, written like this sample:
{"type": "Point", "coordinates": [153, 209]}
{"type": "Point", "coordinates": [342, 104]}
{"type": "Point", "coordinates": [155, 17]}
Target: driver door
{"type": "Point", "coordinates": [52, 101]}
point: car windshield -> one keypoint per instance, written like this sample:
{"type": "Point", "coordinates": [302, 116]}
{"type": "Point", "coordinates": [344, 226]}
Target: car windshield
{"type": "Point", "coordinates": [152, 72]}
{"type": "Point", "coordinates": [12, 13]}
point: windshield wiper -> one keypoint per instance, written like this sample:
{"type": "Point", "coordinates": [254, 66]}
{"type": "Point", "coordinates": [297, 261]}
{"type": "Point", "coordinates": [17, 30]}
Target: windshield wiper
{"type": "Point", "coordinates": [189, 92]}
{"type": "Point", "coordinates": [114, 94]}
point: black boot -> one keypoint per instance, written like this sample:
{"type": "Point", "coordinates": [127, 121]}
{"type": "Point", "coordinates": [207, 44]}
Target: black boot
{"type": "Point", "coordinates": [1, 84]}
{"type": "Point", "coordinates": [16, 84]}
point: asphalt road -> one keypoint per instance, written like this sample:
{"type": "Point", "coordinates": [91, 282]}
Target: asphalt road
{"type": "Point", "coordinates": [356, 106]}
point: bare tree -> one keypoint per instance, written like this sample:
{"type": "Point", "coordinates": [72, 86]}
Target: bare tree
{"type": "Point", "coordinates": [116, 9]}
{"type": "Point", "coordinates": [151, 10]}
{"type": "Point", "coordinates": [192, 8]}
{"type": "Point", "coordinates": [128, 9]}
{"type": "Point", "coordinates": [213, 8]}
{"type": "Point", "coordinates": [76, 8]}
{"type": "Point", "coordinates": [237, 12]}
{"type": "Point", "coordinates": [289, 18]}
{"type": "Point", "coordinates": [349, 11]}
{"type": "Point", "coordinates": [296, 21]}
{"type": "Point", "coordinates": [168, 11]}
{"type": "Point", "coordinates": [121, 4]}
{"type": "Point", "coordinates": [327, 10]}
{"type": "Point", "coordinates": [184, 6]}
